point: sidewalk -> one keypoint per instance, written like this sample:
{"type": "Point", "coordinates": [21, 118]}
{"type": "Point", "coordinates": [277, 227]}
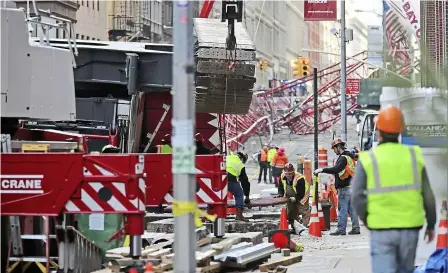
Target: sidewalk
{"type": "Point", "coordinates": [335, 254]}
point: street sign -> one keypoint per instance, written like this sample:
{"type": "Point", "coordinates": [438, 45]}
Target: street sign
{"type": "Point", "coordinates": [353, 86]}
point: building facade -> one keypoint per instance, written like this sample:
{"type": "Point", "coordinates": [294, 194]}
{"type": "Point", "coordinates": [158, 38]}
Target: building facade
{"type": "Point", "coordinates": [91, 20]}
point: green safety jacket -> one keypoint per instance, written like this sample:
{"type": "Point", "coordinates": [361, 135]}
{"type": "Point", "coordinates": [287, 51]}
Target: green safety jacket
{"type": "Point", "coordinates": [234, 165]}
{"type": "Point", "coordinates": [271, 154]}
{"type": "Point", "coordinates": [394, 186]}
{"type": "Point", "coordinates": [164, 149]}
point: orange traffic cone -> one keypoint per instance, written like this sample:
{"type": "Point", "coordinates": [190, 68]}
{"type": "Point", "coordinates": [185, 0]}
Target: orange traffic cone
{"type": "Point", "coordinates": [442, 234]}
{"type": "Point", "coordinates": [283, 220]}
{"type": "Point", "coordinates": [334, 205]}
{"type": "Point", "coordinates": [149, 268]}
{"type": "Point", "coordinates": [320, 214]}
{"type": "Point", "coordinates": [314, 228]}
{"type": "Point", "coordinates": [230, 210]}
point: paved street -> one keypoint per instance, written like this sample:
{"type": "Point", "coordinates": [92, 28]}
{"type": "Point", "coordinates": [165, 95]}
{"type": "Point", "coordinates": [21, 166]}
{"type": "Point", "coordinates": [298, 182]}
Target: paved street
{"type": "Point", "coordinates": [329, 254]}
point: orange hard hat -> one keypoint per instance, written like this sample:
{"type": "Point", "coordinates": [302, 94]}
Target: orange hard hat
{"type": "Point", "coordinates": [337, 141]}
{"type": "Point", "coordinates": [390, 120]}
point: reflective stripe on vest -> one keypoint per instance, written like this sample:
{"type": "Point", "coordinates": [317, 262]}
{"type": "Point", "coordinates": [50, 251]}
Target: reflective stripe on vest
{"type": "Point", "coordinates": [394, 186]}
{"type": "Point", "coordinates": [297, 177]}
{"type": "Point", "coordinates": [234, 165]}
{"type": "Point", "coordinates": [349, 169]}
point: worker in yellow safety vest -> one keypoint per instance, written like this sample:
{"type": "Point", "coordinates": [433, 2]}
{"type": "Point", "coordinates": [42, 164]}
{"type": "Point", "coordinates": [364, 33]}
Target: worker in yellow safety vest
{"type": "Point", "coordinates": [236, 171]}
{"type": "Point", "coordinates": [165, 147]}
{"type": "Point", "coordinates": [392, 194]}
{"type": "Point", "coordinates": [343, 170]}
{"type": "Point", "coordinates": [294, 186]}
{"type": "Point", "coordinates": [271, 153]}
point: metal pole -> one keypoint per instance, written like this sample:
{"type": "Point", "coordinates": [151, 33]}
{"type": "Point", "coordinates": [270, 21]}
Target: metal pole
{"type": "Point", "coordinates": [182, 137]}
{"type": "Point", "coordinates": [316, 129]}
{"type": "Point", "coordinates": [385, 47]}
{"type": "Point", "coordinates": [316, 118]}
{"type": "Point", "coordinates": [343, 75]}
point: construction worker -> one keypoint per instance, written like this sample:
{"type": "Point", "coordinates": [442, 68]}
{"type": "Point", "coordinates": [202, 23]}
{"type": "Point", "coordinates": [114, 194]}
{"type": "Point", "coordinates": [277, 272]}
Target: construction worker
{"type": "Point", "coordinates": [294, 186]}
{"type": "Point", "coordinates": [236, 171]}
{"type": "Point", "coordinates": [200, 148]}
{"type": "Point", "coordinates": [392, 194]}
{"type": "Point", "coordinates": [278, 163]}
{"type": "Point", "coordinates": [271, 153]}
{"type": "Point", "coordinates": [165, 147]}
{"type": "Point", "coordinates": [110, 149]}
{"type": "Point", "coordinates": [343, 170]}
{"type": "Point", "coordinates": [263, 163]}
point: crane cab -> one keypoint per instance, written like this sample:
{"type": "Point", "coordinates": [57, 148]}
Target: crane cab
{"type": "Point", "coordinates": [366, 131]}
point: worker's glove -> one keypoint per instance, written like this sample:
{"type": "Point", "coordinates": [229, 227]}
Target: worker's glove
{"type": "Point", "coordinates": [292, 199]}
{"type": "Point", "coordinates": [247, 200]}
{"type": "Point", "coordinates": [317, 171]}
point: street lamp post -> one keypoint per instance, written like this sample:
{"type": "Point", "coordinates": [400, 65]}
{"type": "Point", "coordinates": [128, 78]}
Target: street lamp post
{"type": "Point", "coordinates": [343, 75]}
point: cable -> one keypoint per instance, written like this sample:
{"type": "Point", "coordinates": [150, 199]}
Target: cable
{"type": "Point", "coordinates": [259, 19]}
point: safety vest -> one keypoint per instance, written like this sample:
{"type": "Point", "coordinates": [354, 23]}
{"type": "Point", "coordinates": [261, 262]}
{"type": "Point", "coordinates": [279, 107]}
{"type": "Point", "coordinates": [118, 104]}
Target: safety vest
{"type": "Point", "coordinates": [394, 186]}
{"type": "Point", "coordinates": [164, 149]}
{"type": "Point", "coordinates": [234, 165]}
{"type": "Point", "coordinates": [271, 154]}
{"type": "Point", "coordinates": [263, 155]}
{"type": "Point", "coordinates": [349, 169]}
{"type": "Point", "coordinates": [297, 177]}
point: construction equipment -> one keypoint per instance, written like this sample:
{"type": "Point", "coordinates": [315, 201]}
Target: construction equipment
{"type": "Point", "coordinates": [32, 171]}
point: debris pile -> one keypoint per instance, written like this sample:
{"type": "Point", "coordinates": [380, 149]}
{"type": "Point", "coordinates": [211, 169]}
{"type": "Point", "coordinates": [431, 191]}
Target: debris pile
{"type": "Point", "coordinates": [235, 250]}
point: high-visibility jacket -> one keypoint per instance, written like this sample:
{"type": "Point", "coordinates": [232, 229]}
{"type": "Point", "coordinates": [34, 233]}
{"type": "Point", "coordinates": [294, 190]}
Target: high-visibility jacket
{"type": "Point", "coordinates": [279, 161]}
{"type": "Point", "coordinates": [263, 156]}
{"type": "Point", "coordinates": [297, 177]}
{"type": "Point", "coordinates": [271, 154]}
{"type": "Point", "coordinates": [349, 169]}
{"type": "Point", "coordinates": [164, 149]}
{"type": "Point", "coordinates": [394, 186]}
{"type": "Point", "coordinates": [234, 165]}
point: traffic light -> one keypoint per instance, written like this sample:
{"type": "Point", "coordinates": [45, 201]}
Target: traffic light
{"type": "Point", "coordinates": [296, 67]}
{"type": "Point", "coordinates": [301, 67]}
{"type": "Point", "coordinates": [263, 64]}
{"type": "Point", "coordinates": [305, 67]}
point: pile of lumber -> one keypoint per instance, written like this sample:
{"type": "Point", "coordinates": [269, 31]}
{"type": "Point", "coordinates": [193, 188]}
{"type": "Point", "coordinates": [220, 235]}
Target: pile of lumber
{"type": "Point", "coordinates": [212, 254]}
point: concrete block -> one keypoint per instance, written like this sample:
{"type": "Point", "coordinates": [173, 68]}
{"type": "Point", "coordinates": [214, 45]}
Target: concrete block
{"type": "Point", "coordinates": [286, 252]}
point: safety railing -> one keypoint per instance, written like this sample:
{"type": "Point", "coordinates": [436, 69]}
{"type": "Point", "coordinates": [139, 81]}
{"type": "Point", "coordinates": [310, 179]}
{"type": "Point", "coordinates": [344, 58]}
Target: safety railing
{"type": "Point", "coordinates": [76, 252]}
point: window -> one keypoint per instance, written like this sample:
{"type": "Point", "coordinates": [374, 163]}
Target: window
{"type": "Point", "coordinates": [57, 30]}
{"type": "Point", "coordinates": [87, 3]}
{"type": "Point", "coordinates": [93, 4]}
{"type": "Point", "coordinates": [82, 37]}
{"type": "Point", "coordinates": [82, 2]}
{"type": "Point", "coordinates": [87, 38]}
{"type": "Point", "coordinates": [98, 5]}
{"type": "Point", "coordinates": [77, 36]}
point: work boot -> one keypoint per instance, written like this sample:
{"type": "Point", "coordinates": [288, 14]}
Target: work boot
{"type": "Point", "coordinates": [240, 217]}
{"type": "Point", "coordinates": [337, 233]}
{"type": "Point", "coordinates": [354, 232]}
{"type": "Point", "coordinates": [293, 229]}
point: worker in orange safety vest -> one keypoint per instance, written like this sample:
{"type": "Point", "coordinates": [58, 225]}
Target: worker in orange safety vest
{"type": "Point", "coordinates": [343, 170]}
{"type": "Point", "coordinates": [263, 163]}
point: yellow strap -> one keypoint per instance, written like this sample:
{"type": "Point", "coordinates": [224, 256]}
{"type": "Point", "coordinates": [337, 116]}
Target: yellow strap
{"type": "Point", "coordinates": [181, 208]}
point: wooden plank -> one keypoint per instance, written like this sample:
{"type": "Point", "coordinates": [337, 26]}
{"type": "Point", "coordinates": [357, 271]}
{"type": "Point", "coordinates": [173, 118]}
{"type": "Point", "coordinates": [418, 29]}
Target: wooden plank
{"type": "Point", "coordinates": [160, 253]}
{"type": "Point", "coordinates": [277, 260]}
{"type": "Point", "coordinates": [163, 267]}
{"type": "Point", "coordinates": [213, 267]}
{"type": "Point", "coordinates": [226, 244]}
{"type": "Point", "coordinates": [205, 241]}
{"type": "Point", "coordinates": [156, 247]}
